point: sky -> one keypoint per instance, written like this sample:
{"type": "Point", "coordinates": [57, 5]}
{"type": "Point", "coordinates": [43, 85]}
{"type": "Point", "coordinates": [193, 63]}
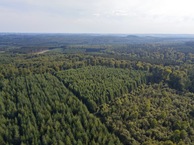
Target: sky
{"type": "Point", "coordinates": [97, 16]}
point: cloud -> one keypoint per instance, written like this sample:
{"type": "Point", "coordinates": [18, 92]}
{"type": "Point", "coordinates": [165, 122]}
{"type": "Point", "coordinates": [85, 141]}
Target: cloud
{"type": "Point", "coordinates": [124, 16]}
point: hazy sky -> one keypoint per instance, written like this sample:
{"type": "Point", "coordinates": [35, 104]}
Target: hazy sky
{"type": "Point", "coordinates": [97, 16]}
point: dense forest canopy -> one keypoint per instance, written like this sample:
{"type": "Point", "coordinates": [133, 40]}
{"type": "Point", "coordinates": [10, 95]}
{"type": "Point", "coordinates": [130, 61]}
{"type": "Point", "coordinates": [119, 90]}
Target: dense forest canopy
{"type": "Point", "coordinates": [74, 89]}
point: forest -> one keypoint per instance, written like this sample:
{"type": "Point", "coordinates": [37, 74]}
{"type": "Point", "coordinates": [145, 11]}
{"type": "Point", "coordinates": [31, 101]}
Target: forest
{"type": "Point", "coordinates": [93, 89]}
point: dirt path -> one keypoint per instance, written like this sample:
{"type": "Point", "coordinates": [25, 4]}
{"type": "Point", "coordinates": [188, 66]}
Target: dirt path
{"type": "Point", "coordinates": [41, 52]}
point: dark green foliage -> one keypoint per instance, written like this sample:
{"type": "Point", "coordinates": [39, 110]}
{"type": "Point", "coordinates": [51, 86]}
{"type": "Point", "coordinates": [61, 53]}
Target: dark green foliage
{"type": "Point", "coordinates": [98, 85]}
{"type": "Point", "coordinates": [96, 90]}
{"type": "Point", "coordinates": [38, 109]}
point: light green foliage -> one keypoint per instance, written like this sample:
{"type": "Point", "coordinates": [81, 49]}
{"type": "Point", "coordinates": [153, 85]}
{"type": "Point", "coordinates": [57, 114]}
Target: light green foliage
{"type": "Point", "coordinates": [166, 119]}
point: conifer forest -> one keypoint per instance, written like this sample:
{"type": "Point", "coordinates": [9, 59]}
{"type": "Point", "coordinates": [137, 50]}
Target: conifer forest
{"type": "Point", "coordinates": [85, 89]}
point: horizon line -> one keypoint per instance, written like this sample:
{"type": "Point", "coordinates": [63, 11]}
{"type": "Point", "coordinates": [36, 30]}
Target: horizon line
{"type": "Point", "coordinates": [96, 33]}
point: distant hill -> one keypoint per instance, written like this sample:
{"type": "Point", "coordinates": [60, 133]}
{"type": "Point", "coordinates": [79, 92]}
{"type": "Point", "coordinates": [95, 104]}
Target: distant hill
{"type": "Point", "coordinates": [132, 36]}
